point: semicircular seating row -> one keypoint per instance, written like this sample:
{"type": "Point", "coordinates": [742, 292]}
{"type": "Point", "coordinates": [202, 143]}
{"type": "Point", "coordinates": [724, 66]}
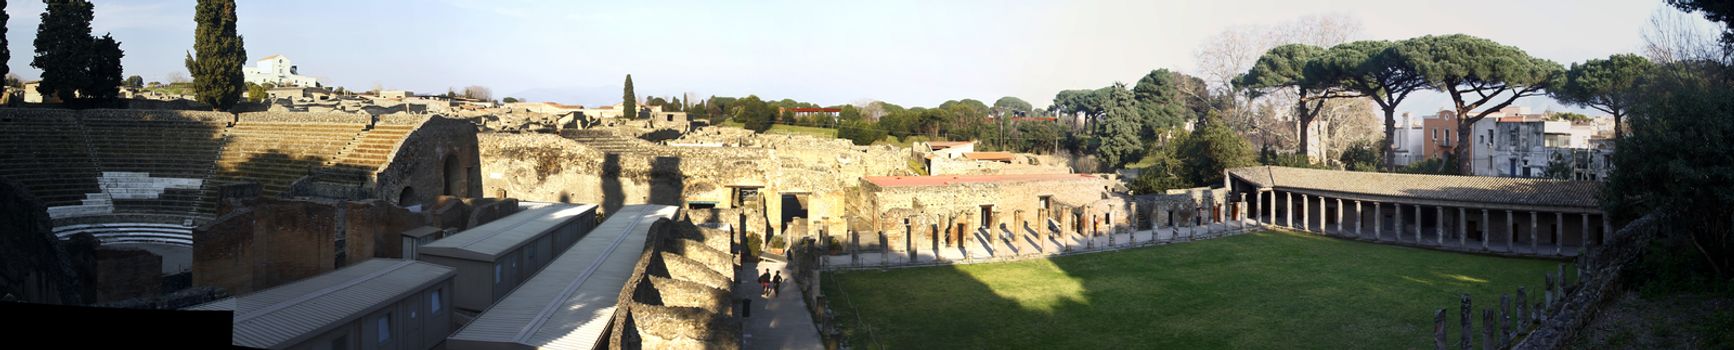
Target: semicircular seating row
{"type": "Point", "coordinates": [151, 176]}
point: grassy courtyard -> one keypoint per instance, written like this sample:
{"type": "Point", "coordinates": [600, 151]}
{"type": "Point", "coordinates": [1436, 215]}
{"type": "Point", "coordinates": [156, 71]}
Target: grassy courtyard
{"type": "Point", "coordinates": [1261, 290]}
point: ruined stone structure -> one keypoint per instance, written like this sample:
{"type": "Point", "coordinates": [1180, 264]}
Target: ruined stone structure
{"type": "Point", "coordinates": [151, 178]}
{"type": "Point", "coordinates": [679, 294]}
{"type": "Point", "coordinates": [780, 179]}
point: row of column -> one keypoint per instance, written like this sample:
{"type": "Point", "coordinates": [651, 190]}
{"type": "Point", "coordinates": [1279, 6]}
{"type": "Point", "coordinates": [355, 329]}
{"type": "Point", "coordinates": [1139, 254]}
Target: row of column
{"type": "Point", "coordinates": [1271, 201]}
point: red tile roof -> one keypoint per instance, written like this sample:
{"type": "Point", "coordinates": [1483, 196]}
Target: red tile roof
{"type": "Point", "coordinates": [947, 180]}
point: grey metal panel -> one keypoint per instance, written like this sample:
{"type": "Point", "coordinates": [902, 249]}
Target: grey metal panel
{"type": "Point", "coordinates": [489, 241]}
{"type": "Point", "coordinates": [292, 313]}
{"type": "Point", "coordinates": [571, 301]}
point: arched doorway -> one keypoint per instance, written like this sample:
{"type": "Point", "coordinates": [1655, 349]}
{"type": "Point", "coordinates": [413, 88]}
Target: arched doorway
{"type": "Point", "coordinates": [452, 174]}
{"type": "Point", "coordinates": [406, 198]}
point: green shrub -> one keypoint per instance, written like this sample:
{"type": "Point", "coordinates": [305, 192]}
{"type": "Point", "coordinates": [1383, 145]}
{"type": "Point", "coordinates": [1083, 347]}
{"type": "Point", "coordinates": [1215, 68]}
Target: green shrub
{"type": "Point", "coordinates": [754, 245]}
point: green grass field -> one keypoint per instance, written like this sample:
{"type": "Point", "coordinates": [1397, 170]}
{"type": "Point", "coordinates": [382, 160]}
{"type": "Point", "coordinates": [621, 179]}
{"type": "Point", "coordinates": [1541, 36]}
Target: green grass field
{"type": "Point", "coordinates": [1261, 290]}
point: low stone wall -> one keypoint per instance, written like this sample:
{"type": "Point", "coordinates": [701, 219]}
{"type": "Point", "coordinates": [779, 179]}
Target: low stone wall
{"type": "Point", "coordinates": [1601, 275]}
{"type": "Point", "coordinates": [1548, 317]}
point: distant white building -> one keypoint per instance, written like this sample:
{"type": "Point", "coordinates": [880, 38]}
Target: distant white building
{"type": "Point", "coordinates": [277, 70]}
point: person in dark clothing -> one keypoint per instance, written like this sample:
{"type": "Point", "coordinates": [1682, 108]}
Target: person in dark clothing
{"type": "Point", "coordinates": [777, 284]}
{"type": "Point", "coordinates": [765, 282]}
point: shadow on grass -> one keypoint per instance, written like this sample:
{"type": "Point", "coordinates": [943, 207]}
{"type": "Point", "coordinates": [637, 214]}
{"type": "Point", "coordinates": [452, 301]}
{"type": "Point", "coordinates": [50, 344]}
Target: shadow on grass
{"type": "Point", "coordinates": [1260, 290]}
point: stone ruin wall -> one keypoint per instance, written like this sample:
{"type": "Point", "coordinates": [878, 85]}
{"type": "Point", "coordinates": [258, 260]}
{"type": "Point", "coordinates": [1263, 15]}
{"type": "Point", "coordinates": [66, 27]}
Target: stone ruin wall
{"type": "Point", "coordinates": [1015, 204]}
{"type": "Point", "coordinates": [545, 167]}
{"type": "Point", "coordinates": [420, 162]}
{"type": "Point", "coordinates": [268, 242]}
{"type": "Point", "coordinates": [679, 295]}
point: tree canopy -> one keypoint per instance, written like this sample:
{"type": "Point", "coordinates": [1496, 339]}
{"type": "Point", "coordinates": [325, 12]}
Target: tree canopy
{"type": "Point", "coordinates": [1162, 101]}
{"type": "Point", "coordinates": [1011, 105]}
{"type": "Point", "coordinates": [63, 47]}
{"type": "Point", "coordinates": [1120, 129]}
{"type": "Point", "coordinates": [1608, 85]}
{"type": "Point", "coordinates": [1284, 67]}
{"type": "Point", "coordinates": [1373, 69]}
{"type": "Point", "coordinates": [1480, 76]}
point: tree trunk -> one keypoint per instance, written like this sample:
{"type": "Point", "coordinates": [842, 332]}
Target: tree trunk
{"type": "Point", "coordinates": [1460, 149]}
{"type": "Point", "coordinates": [1390, 137]}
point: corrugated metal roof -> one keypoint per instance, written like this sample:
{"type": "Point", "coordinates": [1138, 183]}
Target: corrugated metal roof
{"type": "Point", "coordinates": [1555, 194]}
{"type": "Point", "coordinates": [488, 241]}
{"type": "Point", "coordinates": [292, 313]}
{"type": "Point", "coordinates": [568, 304]}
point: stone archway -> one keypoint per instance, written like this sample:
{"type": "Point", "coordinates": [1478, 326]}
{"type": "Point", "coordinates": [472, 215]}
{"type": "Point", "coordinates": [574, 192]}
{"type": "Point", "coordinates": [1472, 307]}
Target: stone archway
{"type": "Point", "coordinates": [452, 177]}
{"type": "Point", "coordinates": [406, 198]}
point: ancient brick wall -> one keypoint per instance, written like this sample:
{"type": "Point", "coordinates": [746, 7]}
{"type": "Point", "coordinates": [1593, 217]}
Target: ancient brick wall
{"type": "Point", "coordinates": [35, 268]}
{"type": "Point", "coordinates": [125, 274]}
{"type": "Point", "coordinates": [278, 241]}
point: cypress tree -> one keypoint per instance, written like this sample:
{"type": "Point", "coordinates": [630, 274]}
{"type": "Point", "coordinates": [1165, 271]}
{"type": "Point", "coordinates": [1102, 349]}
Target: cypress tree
{"type": "Point", "coordinates": [63, 46]}
{"type": "Point", "coordinates": [104, 70]}
{"type": "Point", "coordinates": [630, 109]}
{"type": "Point", "coordinates": [5, 51]}
{"type": "Point", "coordinates": [217, 76]}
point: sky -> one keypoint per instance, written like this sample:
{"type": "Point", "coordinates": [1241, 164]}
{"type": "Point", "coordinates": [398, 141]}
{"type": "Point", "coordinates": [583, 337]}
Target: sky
{"type": "Point", "coordinates": [912, 53]}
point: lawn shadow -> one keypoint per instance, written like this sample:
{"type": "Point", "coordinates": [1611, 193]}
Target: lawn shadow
{"type": "Point", "coordinates": [1257, 290]}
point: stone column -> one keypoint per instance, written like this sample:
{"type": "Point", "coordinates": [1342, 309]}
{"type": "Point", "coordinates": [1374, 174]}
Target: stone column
{"type": "Point", "coordinates": [854, 248]}
{"type": "Point", "coordinates": [909, 239]}
{"type": "Point", "coordinates": [1510, 232]}
{"type": "Point", "coordinates": [1465, 314]}
{"type": "Point", "coordinates": [1288, 217]}
{"type": "Point", "coordinates": [1132, 217]}
{"type": "Point", "coordinates": [1586, 234]}
{"type": "Point", "coordinates": [1306, 214]}
{"type": "Point", "coordinates": [1486, 229]}
{"type": "Point", "coordinates": [1340, 227]}
{"type": "Point", "coordinates": [1558, 233]}
{"type": "Point", "coordinates": [1271, 220]}
{"type": "Point", "coordinates": [884, 250]}
{"type": "Point", "coordinates": [933, 238]}
{"type": "Point", "coordinates": [993, 234]}
{"type": "Point", "coordinates": [1462, 228]}
{"type": "Point", "coordinates": [1534, 245]}
{"type": "Point", "coordinates": [1323, 212]}
{"type": "Point", "coordinates": [1378, 227]}
{"type": "Point", "coordinates": [1419, 221]}
{"type": "Point", "coordinates": [1259, 198]}
{"type": "Point", "coordinates": [1360, 218]}
{"type": "Point", "coordinates": [1397, 220]}
{"type": "Point", "coordinates": [1439, 224]}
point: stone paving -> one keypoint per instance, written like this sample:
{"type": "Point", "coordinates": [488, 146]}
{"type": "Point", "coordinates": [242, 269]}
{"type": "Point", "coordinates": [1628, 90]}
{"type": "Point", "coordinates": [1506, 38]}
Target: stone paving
{"type": "Point", "coordinates": [778, 322]}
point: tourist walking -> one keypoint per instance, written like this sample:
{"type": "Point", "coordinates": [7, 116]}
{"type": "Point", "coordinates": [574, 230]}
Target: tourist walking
{"type": "Point", "coordinates": [765, 283]}
{"type": "Point", "coordinates": [777, 284]}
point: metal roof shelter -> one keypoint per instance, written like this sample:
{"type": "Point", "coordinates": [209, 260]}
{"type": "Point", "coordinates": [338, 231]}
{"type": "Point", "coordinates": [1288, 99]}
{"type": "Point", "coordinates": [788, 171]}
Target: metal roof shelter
{"type": "Point", "coordinates": [569, 305]}
{"type": "Point", "coordinates": [333, 305]}
{"type": "Point", "coordinates": [493, 258]}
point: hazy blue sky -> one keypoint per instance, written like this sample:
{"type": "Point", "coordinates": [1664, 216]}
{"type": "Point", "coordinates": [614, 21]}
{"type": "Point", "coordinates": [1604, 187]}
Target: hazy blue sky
{"type": "Point", "coordinates": [906, 52]}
